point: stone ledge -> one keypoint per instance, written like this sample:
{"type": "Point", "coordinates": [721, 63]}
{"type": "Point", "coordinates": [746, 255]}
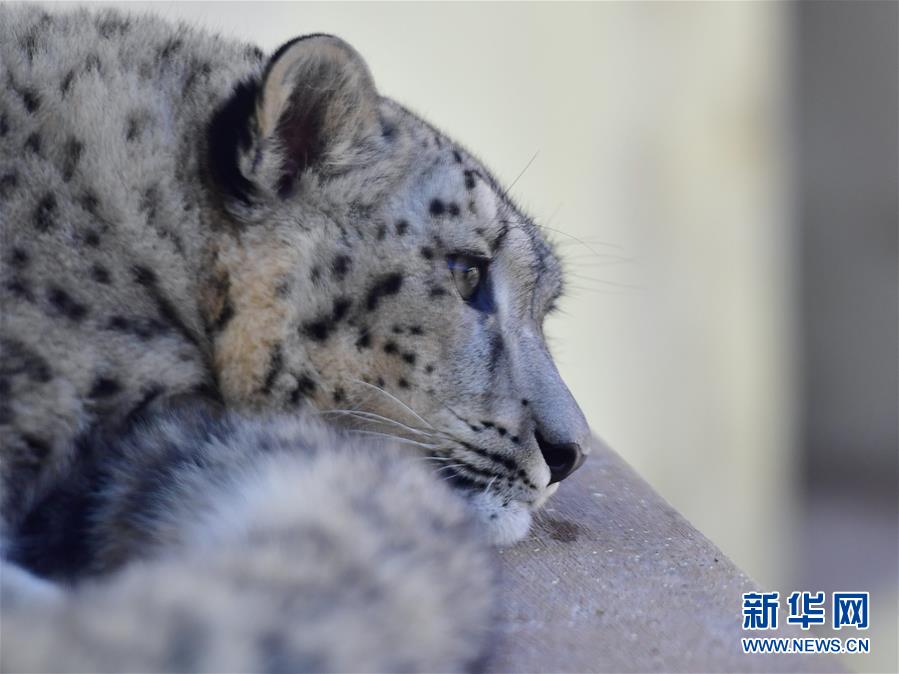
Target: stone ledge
{"type": "Point", "coordinates": [614, 579]}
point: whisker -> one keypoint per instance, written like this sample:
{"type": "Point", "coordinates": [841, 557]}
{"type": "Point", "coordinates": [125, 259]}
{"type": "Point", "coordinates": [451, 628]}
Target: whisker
{"type": "Point", "coordinates": [377, 418]}
{"type": "Point", "coordinates": [490, 484]}
{"type": "Point", "coordinates": [518, 177]}
{"type": "Point", "coordinates": [454, 465]}
{"type": "Point", "coordinates": [393, 438]}
{"type": "Point", "coordinates": [397, 400]}
{"type": "Point", "coordinates": [593, 291]}
{"type": "Point", "coordinates": [627, 286]}
{"type": "Point", "coordinates": [592, 240]}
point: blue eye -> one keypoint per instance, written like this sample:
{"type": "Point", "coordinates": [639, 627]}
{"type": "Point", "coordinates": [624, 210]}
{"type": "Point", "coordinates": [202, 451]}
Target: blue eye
{"type": "Point", "coordinates": [471, 279]}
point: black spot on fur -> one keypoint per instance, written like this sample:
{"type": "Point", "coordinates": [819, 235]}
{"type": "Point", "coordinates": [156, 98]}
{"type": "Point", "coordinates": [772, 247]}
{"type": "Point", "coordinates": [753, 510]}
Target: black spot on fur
{"type": "Point", "coordinates": [147, 278]}
{"type": "Point", "coordinates": [149, 203]}
{"type": "Point", "coordinates": [89, 202]}
{"type": "Point", "coordinates": [8, 182]}
{"type": "Point", "coordinates": [402, 227]}
{"type": "Point", "coordinates": [340, 266]}
{"type": "Point", "coordinates": [364, 340]}
{"type": "Point", "coordinates": [20, 288]}
{"type": "Point", "coordinates": [340, 308]}
{"type": "Point", "coordinates": [409, 357]}
{"type": "Point", "coordinates": [305, 386]}
{"type": "Point", "coordinates": [198, 71]}
{"type": "Point", "coordinates": [28, 44]}
{"type": "Point", "coordinates": [462, 482]}
{"type": "Point", "coordinates": [505, 461]}
{"type": "Point", "coordinates": [402, 383]}
{"type": "Point", "coordinates": [255, 53]}
{"type": "Point", "coordinates": [104, 387]}
{"type": "Point", "coordinates": [322, 327]}
{"type": "Point", "coordinates": [18, 258]}
{"type": "Point", "coordinates": [457, 156]}
{"type": "Point", "coordinates": [437, 207]}
{"type": "Point", "coordinates": [140, 326]}
{"type": "Point", "coordinates": [21, 359]}
{"type": "Point", "coordinates": [437, 291]}
{"type": "Point", "coordinates": [92, 238]}
{"type": "Point", "coordinates": [339, 395]}
{"type": "Point", "coordinates": [92, 63]}
{"type": "Point", "coordinates": [209, 392]}
{"type": "Point", "coordinates": [44, 216]}
{"type": "Point", "coordinates": [169, 49]}
{"type": "Point", "coordinates": [31, 99]}
{"type": "Point", "coordinates": [429, 369]}
{"type": "Point", "coordinates": [453, 209]}
{"type": "Point", "coordinates": [276, 362]}
{"type": "Point", "coordinates": [66, 83]}
{"type": "Point", "coordinates": [469, 180]}
{"type": "Point", "coordinates": [225, 316]}
{"type": "Point", "coordinates": [496, 350]}
{"type": "Point", "coordinates": [391, 347]}
{"type": "Point", "coordinates": [387, 285]}
{"type": "Point", "coordinates": [388, 130]}
{"type": "Point", "coordinates": [6, 413]}
{"type": "Point", "coordinates": [112, 25]}
{"type": "Point", "coordinates": [381, 232]}
{"type": "Point", "coordinates": [416, 330]}
{"type": "Point", "coordinates": [40, 449]}
{"type": "Point", "coordinates": [144, 276]}
{"type": "Point", "coordinates": [33, 143]}
{"type": "Point", "coordinates": [100, 274]}
{"type": "Point", "coordinates": [524, 402]}
{"type": "Point", "coordinates": [65, 304]}
{"type": "Point", "coordinates": [4, 125]}
{"type": "Point", "coordinates": [71, 156]}
{"type": "Point", "coordinates": [227, 134]}
{"type": "Point", "coordinates": [396, 329]}
{"type": "Point", "coordinates": [427, 253]}
{"type": "Point", "coordinates": [133, 127]}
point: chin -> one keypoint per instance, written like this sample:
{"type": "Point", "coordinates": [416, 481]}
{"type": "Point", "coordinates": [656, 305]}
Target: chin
{"type": "Point", "coordinates": [506, 524]}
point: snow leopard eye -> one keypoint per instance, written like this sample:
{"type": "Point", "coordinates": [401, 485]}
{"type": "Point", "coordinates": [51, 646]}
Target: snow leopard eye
{"type": "Point", "coordinates": [470, 277]}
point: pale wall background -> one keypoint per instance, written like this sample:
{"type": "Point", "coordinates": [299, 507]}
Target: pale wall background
{"type": "Point", "coordinates": [663, 142]}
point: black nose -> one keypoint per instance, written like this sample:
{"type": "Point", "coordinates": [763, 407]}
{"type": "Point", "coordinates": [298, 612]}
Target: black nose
{"type": "Point", "coordinates": [562, 458]}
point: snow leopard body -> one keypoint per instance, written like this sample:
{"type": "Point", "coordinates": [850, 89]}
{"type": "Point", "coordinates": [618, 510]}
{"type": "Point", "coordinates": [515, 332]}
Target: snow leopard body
{"type": "Point", "coordinates": [207, 253]}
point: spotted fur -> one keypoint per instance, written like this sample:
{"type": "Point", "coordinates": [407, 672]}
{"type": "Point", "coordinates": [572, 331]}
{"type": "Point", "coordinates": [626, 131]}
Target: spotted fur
{"type": "Point", "coordinates": [187, 221]}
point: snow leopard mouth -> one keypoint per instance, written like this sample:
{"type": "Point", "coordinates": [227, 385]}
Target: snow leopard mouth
{"type": "Point", "coordinates": [506, 520]}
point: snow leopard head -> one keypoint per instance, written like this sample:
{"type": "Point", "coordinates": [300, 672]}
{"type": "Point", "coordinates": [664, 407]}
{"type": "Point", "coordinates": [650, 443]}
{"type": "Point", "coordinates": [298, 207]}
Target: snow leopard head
{"type": "Point", "coordinates": [371, 267]}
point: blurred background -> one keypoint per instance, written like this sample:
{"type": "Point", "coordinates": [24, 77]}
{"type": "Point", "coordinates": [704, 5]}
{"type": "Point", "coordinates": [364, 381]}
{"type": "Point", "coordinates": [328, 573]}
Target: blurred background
{"type": "Point", "coordinates": [722, 180]}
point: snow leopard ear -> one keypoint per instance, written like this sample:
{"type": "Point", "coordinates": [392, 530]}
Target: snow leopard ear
{"type": "Point", "coordinates": [313, 108]}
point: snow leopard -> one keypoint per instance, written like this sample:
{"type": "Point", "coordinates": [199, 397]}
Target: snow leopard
{"type": "Point", "coordinates": [270, 343]}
